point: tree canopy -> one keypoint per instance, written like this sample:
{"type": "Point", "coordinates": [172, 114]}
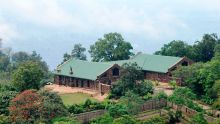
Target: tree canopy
{"type": "Point", "coordinates": [78, 52]}
{"type": "Point", "coordinates": [201, 51]}
{"type": "Point", "coordinates": [28, 76]}
{"type": "Point", "coordinates": [111, 47]}
{"type": "Point", "coordinates": [176, 48]}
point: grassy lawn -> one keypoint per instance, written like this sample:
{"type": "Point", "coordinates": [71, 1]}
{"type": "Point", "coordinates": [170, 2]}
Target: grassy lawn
{"type": "Point", "coordinates": [75, 98]}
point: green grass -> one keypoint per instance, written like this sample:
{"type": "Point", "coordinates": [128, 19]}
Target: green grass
{"type": "Point", "coordinates": [75, 98]}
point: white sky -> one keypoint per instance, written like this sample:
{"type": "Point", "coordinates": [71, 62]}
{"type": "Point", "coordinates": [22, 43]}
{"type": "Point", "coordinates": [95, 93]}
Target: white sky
{"type": "Point", "coordinates": [52, 27]}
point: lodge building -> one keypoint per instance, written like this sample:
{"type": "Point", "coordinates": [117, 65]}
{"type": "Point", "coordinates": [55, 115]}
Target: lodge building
{"type": "Point", "coordinates": [100, 76]}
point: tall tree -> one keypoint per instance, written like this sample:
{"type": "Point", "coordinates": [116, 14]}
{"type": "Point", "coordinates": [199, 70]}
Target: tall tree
{"type": "Point", "coordinates": [66, 57]}
{"type": "Point", "coordinates": [78, 52]}
{"type": "Point", "coordinates": [176, 48]}
{"type": "Point", "coordinates": [204, 49]}
{"type": "Point", "coordinates": [111, 47]}
{"type": "Point", "coordinates": [19, 57]}
{"type": "Point", "coordinates": [28, 76]}
{"type": "Point", "coordinates": [217, 52]}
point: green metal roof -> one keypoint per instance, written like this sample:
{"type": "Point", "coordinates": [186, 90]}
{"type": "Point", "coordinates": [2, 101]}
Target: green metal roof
{"type": "Point", "coordinates": [90, 70]}
{"type": "Point", "coordinates": [83, 69]}
{"type": "Point", "coordinates": [155, 63]}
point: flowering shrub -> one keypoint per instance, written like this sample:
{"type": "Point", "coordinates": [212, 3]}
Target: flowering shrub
{"type": "Point", "coordinates": [25, 107]}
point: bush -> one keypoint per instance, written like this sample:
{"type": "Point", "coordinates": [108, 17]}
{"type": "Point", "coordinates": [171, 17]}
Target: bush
{"type": "Point", "coordinates": [5, 98]}
{"type": "Point", "coordinates": [174, 117]}
{"type": "Point", "coordinates": [161, 95]}
{"type": "Point", "coordinates": [207, 99]}
{"type": "Point", "coordinates": [198, 119]}
{"type": "Point", "coordinates": [4, 119]}
{"type": "Point", "coordinates": [216, 104]}
{"type": "Point", "coordinates": [156, 120]}
{"type": "Point", "coordinates": [24, 108]}
{"type": "Point", "coordinates": [52, 106]}
{"type": "Point", "coordinates": [65, 120]}
{"type": "Point", "coordinates": [75, 109]}
{"type": "Point", "coordinates": [104, 119]}
{"type": "Point", "coordinates": [125, 119]}
{"type": "Point", "coordinates": [147, 96]}
{"type": "Point", "coordinates": [117, 110]}
{"type": "Point", "coordinates": [86, 107]}
{"type": "Point", "coordinates": [194, 106]}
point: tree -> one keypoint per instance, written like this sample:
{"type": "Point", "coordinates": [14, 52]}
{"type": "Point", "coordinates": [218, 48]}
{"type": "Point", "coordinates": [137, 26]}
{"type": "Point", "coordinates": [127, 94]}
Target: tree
{"type": "Point", "coordinates": [28, 76]}
{"type": "Point", "coordinates": [110, 48]}
{"type": "Point", "coordinates": [131, 76]}
{"type": "Point", "coordinates": [66, 57]}
{"type": "Point", "coordinates": [217, 52]}
{"type": "Point", "coordinates": [190, 77]}
{"type": "Point", "coordinates": [52, 106]}
{"type": "Point", "coordinates": [20, 57]}
{"type": "Point", "coordinates": [24, 108]}
{"type": "Point", "coordinates": [181, 96]}
{"type": "Point", "coordinates": [176, 48]}
{"type": "Point", "coordinates": [4, 62]}
{"type": "Point", "coordinates": [204, 49]}
{"type": "Point", "coordinates": [78, 52]}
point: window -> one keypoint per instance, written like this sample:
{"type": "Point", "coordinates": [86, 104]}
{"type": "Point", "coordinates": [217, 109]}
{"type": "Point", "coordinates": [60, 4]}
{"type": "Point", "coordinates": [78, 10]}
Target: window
{"type": "Point", "coordinates": [109, 82]}
{"type": "Point", "coordinates": [185, 63]}
{"type": "Point", "coordinates": [115, 72]}
{"type": "Point", "coordinates": [88, 84]}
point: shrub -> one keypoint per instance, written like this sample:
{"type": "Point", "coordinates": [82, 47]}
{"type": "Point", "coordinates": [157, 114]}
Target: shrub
{"type": "Point", "coordinates": [86, 107]}
{"type": "Point", "coordinates": [24, 107]}
{"type": "Point", "coordinates": [117, 110]}
{"type": "Point", "coordinates": [52, 106]}
{"type": "Point", "coordinates": [216, 104]}
{"type": "Point", "coordinates": [198, 119]}
{"type": "Point", "coordinates": [147, 96]}
{"type": "Point", "coordinates": [193, 106]}
{"type": "Point", "coordinates": [75, 109]}
{"type": "Point", "coordinates": [4, 119]}
{"type": "Point", "coordinates": [161, 95]}
{"type": "Point", "coordinates": [5, 98]}
{"type": "Point", "coordinates": [104, 119]}
{"type": "Point", "coordinates": [156, 120]}
{"type": "Point", "coordinates": [65, 120]}
{"type": "Point", "coordinates": [125, 119]}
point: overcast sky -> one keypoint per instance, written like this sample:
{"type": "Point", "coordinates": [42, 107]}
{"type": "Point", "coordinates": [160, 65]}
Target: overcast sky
{"type": "Point", "coordinates": [52, 27]}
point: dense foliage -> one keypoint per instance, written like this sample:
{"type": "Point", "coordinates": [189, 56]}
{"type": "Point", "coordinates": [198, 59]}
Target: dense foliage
{"type": "Point", "coordinates": [184, 96]}
{"type": "Point", "coordinates": [31, 106]}
{"type": "Point", "coordinates": [85, 107]}
{"type": "Point", "coordinates": [200, 51]}
{"type": "Point", "coordinates": [28, 76]}
{"type": "Point", "coordinates": [78, 52]}
{"type": "Point", "coordinates": [65, 120]}
{"type": "Point", "coordinates": [202, 78]}
{"type": "Point", "coordinates": [25, 107]}
{"type": "Point", "coordinates": [198, 119]}
{"type": "Point", "coordinates": [110, 48]}
{"type": "Point", "coordinates": [104, 119]}
{"type": "Point", "coordinates": [132, 79]}
{"type": "Point", "coordinates": [156, 120]}
{"type": "Point", "coordinates": [5, 98]}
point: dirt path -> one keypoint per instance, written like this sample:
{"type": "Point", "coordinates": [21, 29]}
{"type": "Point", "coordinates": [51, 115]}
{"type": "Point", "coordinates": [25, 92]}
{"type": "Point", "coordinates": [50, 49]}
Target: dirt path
{"type": "Point", "coordinates": [60, 89]}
